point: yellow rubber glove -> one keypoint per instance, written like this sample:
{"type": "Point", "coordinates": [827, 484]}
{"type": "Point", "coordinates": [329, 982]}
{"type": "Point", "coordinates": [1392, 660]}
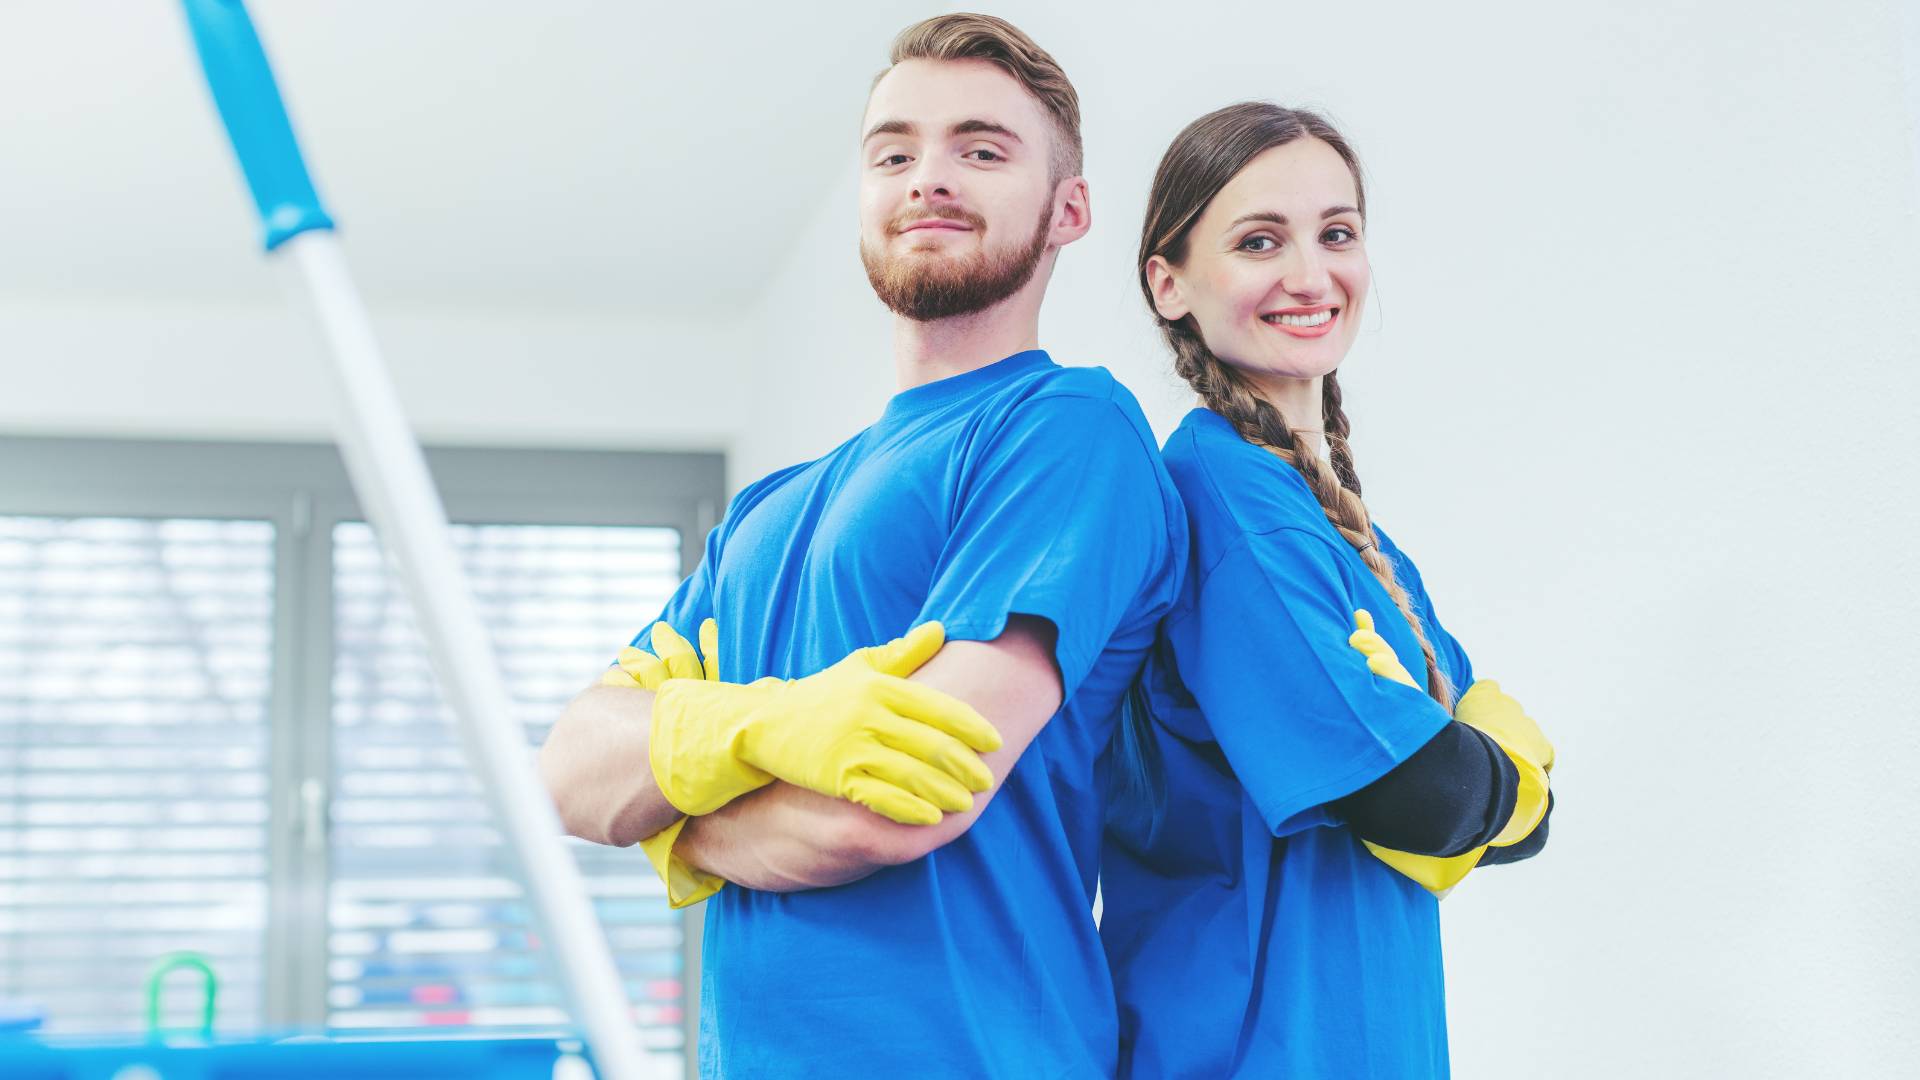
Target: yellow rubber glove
{"type": "Point", "coordinates": [1498, 717]}
{"type": "Point", "coordinates": [1380, 656]}
{"type": "Point", "coordinates": [1487, 709]}
{"type": "Point", "coordinates": [1431, 872]}
{"type": "Point", "coordinates": [1490, 709]}
{"type": "Point", "coordinates": [858, 731]}
{"type": "Point", "coordinates": [685, 882]}
{"type": "Point", "coordinates": [672, 658]}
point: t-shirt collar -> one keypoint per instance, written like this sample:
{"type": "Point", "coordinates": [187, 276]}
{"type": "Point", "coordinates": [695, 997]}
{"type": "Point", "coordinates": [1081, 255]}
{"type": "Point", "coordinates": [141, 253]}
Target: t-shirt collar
{"type": "Point", "coordinates": [923, 399]}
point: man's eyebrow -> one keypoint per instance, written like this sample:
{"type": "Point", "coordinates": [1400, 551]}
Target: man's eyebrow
{"type": "Point", "coordinates": [984, 127]}
{"type": "Point", "coordinates": [889, 127]}
{"type": "Point", "coordinates": [963, 127]}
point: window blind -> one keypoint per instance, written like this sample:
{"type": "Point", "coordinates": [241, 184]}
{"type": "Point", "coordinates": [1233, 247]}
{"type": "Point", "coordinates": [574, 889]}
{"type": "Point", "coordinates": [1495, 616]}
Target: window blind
{"type": "Point", "coordinates": [135, 662]}
{"type": "Point", "coordinates": [427, 923]}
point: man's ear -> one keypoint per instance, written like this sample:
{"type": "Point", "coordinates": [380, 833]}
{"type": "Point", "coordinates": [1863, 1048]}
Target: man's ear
{"type": "Point", "coordinates": [1072, 212]}
{"type": "Point", "coordinates": [1169, 299]}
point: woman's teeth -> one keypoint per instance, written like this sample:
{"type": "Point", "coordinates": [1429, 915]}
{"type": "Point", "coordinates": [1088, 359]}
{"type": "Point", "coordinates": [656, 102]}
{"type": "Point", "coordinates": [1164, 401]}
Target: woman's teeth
{"type": "Point", "coordinates": [1318, 318]}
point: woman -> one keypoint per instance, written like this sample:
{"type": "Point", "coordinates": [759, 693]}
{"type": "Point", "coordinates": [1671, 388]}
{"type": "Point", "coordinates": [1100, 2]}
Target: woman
{"type": "Point", "coordinates": [1271, 909]}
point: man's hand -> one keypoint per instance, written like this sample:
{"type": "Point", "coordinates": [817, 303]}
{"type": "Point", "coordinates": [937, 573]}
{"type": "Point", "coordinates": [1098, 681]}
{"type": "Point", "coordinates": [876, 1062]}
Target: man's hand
{"type": "Point", "coordinates": [783, 838]}
{"type": "Point", "coordinates": [672, 658]}
{"type": "Point", "coordinates": [858, 731]}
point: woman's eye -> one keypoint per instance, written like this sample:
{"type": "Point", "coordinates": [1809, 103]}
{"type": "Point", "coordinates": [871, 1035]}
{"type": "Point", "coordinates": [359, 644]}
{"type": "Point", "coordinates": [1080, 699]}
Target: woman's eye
{"type": "Point", "coordinates": [1258, 243]}
{"type": "Point", "coordinates": [1339, 234]}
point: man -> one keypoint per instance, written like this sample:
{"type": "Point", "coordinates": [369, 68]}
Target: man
{"type": "Point", "coordinates": [1014, 514]}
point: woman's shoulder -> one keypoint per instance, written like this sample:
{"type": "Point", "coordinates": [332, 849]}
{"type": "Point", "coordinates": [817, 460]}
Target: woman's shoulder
{"type": "Point", "coordinates": [1228, 482]}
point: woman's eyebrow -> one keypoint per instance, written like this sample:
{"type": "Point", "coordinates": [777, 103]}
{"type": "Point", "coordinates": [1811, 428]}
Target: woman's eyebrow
{"type": "Point", "coordinates": [1279, 218]}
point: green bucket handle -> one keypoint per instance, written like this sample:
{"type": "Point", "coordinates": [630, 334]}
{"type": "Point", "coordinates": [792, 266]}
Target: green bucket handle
{"type": "Point", "coordinates": [169, 964]}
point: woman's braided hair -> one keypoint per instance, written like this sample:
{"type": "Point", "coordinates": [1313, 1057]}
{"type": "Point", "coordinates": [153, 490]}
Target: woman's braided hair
{"type": "Point", "coordinates": [1202, 160]}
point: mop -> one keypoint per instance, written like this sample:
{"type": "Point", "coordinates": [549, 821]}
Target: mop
{"type": "Point", "coordinates": [389, 474]}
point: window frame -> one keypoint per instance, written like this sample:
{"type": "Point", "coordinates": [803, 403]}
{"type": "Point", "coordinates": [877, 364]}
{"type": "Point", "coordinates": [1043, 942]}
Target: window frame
{"type": "Point", "coordinates": [303, 490]}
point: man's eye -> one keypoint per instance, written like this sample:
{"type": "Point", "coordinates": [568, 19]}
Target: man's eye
{"type": "Point", "coordinates": [892, 159]}
{"type": "Point", "coordinates": [990, 155]}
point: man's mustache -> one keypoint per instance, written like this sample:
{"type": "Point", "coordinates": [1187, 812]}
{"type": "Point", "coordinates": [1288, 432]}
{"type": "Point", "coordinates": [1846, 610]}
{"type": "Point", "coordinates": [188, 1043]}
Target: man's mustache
{"type": "Point", "coordinates": [944, 213]}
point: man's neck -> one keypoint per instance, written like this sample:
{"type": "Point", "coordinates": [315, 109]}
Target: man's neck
{"type": "Point", "coordinates": [925, 352]}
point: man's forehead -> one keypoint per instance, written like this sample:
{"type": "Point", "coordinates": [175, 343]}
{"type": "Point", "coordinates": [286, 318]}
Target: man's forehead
{"type": "Point", "coordinates": [934, 95]}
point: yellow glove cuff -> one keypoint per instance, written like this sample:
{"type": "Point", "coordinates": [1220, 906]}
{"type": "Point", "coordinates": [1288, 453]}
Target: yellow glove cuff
{"type": "Point", "coordinates": [1431, 872]}
{"type": "Point", "coordinates": [1486, 709]}
{"type": "Point", "coordinates": [686, 884]}
{"type": "Point", "coordinates": [1529, 805]}
{"type": "Point", "coordinates": [1439, 875]}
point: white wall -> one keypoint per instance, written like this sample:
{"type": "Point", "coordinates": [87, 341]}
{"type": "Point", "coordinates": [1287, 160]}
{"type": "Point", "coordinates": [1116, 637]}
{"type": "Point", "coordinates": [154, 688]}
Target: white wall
{"type": "Point", "coordinates": [120, 367]}
{"type": "Point", "coordinates": [1637, 390]}
{"type": "Point", "coordinates": [824, 367]}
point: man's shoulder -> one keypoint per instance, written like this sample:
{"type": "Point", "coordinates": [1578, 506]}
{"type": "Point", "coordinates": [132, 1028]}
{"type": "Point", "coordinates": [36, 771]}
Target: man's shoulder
{"type": "Point", "coordinates": [757, 490]}
{"type": "Point", "coordinates": [779, 478]}
{"type": "Point", "coordinates": [1087, 396]}
{"type": "Point", "coordinates": [1074, 381]}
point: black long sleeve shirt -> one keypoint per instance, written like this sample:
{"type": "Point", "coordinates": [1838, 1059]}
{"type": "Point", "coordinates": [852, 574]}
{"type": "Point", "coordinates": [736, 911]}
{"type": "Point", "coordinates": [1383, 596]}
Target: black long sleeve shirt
{"type": "Point", "coordinates": [1452, 795]}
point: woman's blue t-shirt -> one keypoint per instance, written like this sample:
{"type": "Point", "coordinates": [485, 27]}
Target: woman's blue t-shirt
{"type": "Point", "coordinates": [1249, 932]}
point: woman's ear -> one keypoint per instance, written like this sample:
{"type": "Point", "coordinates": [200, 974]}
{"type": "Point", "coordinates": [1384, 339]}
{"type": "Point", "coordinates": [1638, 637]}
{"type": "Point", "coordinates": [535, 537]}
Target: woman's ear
{"type": "Point", "coordinates": [1168, 298]}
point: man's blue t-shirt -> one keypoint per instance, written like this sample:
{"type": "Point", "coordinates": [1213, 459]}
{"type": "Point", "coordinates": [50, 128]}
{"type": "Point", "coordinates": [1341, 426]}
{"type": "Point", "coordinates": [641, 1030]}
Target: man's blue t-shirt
{"type": "Point", "coordinates": [1018, 488]}
{"type": "Point", "coordinates": [1250, 933]}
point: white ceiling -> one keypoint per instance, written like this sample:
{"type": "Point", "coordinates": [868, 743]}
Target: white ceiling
{"type": "Point", "coordinates": [644, 158]}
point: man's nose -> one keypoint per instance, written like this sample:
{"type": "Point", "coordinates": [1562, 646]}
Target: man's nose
{"type": "Point", "coordinates": [931, 182]}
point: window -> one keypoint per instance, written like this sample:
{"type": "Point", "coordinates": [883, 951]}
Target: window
{"type": "Point", "coordinates": [134, 664]}
{"type": "Point", "coordinates": [427, 923]}
{"type": "Point", "coordinates": [219, 732]}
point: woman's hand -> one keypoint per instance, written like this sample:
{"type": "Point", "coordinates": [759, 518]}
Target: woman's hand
{"type": "Point", "coordinates": [1380, 658]}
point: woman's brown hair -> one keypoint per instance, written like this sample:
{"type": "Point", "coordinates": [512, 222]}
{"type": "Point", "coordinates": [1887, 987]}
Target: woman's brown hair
{"type": "Point", "coordinates": [1203, 159]}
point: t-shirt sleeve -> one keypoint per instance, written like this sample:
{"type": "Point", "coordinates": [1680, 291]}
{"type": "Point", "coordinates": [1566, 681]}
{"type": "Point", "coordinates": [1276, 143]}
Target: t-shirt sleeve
{"type": "Point", "coordinates": [1294, 708]}
{"type": "Point", "coordinates": [1065, 514]}
{"type": "Point", "coordinates": [691, 603]}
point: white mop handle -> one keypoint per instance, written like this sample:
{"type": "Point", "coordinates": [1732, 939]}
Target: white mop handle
{"type": "Point", "coordinates": [390, 476]}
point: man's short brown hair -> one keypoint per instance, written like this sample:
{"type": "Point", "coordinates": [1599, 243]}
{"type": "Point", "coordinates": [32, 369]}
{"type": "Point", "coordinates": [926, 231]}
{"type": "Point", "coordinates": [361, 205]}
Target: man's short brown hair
{"type": "Point", "coordinates": [966, 36]}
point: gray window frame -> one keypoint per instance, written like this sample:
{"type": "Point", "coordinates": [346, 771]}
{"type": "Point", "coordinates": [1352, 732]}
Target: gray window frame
{"type": "Point", "coordinates": [302, 488]}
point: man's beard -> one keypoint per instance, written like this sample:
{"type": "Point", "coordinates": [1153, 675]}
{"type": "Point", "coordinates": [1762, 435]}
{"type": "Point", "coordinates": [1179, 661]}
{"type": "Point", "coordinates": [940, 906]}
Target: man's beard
{"type": "Point", "coordinates": [925, 287]}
